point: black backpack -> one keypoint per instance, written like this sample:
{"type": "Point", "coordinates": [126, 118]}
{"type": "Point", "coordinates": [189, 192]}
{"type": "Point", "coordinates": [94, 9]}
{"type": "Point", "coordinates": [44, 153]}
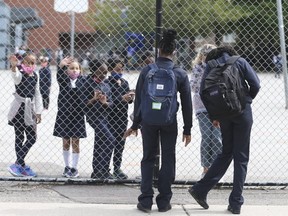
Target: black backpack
{"type": "Point", "coordinates": [159, 96]}
{"type": "Point", "coordinates": [223, 92]}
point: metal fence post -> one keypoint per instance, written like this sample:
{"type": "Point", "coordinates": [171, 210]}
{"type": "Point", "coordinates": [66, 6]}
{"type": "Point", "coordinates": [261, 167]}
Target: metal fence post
{"type": "Point", "coordinates": [158, 30]}
{"type": "Point", "coordinates": [283, 49]}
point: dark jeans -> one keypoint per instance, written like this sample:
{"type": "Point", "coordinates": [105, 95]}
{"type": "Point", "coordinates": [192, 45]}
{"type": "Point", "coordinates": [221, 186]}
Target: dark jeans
{"type": "Point", "coordinates": [103, 146]}
{"type": "Point", "coordinates": [168, 136]}
{"type": "Point", "coordinates": [236, 144]}
{"type": "Point", "coordinates": [22, 148]}
{"type": "Point", "coordinates": [117, 128]}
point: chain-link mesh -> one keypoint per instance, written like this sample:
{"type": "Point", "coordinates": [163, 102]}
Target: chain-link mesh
{"type": "Point", "coordinates": [125, 29]}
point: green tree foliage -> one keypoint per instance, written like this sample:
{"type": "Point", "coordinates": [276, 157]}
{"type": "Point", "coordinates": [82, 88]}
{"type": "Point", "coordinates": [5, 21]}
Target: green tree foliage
{"type": "Point", "coordinates": [106, 17]}
{"type": "Point", "coordinates": [188, 17]}
{"type": "Point", "coordinates": [254, 22]}
{"type": "Point", "coordinates": [258, 34]}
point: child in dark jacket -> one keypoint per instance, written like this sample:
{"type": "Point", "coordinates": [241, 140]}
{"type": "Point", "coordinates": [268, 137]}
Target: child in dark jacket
{"type": "Point", "coordinates": [118, 117]}
{"type": "Point", "coordinates": [98, 103]}
{"type": "Point", "coordinates": [45, 81]}
{"type": "Point", "coordinates": [70, 120]}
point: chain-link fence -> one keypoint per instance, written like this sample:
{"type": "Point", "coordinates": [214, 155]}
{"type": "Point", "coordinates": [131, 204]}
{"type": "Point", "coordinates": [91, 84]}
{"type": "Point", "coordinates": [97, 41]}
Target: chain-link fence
{"type": "Point", "coordinates": [125, 29]}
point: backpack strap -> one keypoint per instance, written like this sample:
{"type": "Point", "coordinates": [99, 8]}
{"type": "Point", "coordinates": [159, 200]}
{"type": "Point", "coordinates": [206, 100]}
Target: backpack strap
{"type": "Point", "coordinates": [213, 63]}
{"type": "Point", "coordinates": [152, 71]}
{"type": "Point", "coordinates": [232, 60]}
{"type": "Point", "coordinates": [154, 67]}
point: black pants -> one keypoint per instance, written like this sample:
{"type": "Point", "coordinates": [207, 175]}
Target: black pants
{"type": "Point", "coordinates": [103, 146]}
{"type": "Point", "coordinates": [46, 101]}
{"type": "Point", "coordinates": [168, 136]}
{"type": "Point", "coordinates": [117, 128]}
{"type": "Point", "coordinates": [22, 148]}
{"type": "Point", "coordinates": [236, 144]}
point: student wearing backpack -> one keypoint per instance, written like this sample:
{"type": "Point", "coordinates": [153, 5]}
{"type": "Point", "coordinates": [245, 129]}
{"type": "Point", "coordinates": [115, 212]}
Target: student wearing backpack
{"type": "Point", "coordinates": [235, 136]}
{"type": "Point", "coordinates": [211, 141]}
{"type": "Point", "coordinates": [160, 81]}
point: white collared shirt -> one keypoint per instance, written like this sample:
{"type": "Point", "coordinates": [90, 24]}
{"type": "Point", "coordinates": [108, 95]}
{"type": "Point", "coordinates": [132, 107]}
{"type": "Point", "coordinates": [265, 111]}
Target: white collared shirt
{"type": "Point", "coordinates": [73, 83]}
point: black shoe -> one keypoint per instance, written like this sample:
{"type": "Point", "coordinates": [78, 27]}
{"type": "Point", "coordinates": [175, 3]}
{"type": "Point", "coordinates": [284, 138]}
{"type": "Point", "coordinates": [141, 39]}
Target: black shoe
{"type": "Point", "coordinates": [119, 174]}
{"type": "Point", "coordinates": [142, 208]}
{"type": "Point", "coordinates": [66, 171]}
{"type": "Point", "coordinates": [234, 210]}
{"type": "Point", "coordinates": [165, 209]}
{"type": "Point", "coordinates": [73, 173]}
{"type": "Point", "coordinates": [102, 175]}
{"type": "Point", "coordinates": [201, 201]}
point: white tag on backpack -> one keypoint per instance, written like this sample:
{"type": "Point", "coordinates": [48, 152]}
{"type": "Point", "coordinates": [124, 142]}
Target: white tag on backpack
{"type": "Point", "coordinates": [159, 86]}
{"type": "Point", "coordinates": [156, 106]}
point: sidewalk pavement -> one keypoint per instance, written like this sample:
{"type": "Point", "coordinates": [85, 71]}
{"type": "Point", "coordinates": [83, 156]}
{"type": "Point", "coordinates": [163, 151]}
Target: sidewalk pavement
{"type": "Point", "coordinates": [43, 199]}
{"type": "Point", "coordinates": [73, 209]}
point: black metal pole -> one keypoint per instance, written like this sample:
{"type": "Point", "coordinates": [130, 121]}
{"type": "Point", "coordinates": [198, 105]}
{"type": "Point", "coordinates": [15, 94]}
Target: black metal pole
{"type": "Point", "coordinates": [158, 30]}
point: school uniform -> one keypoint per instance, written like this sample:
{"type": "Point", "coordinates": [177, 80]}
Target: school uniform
{"type": "Point", "coordinates": [168, 135]}
{"type": "Point", "coordinates": [235, 140]}
{"type": "Point", "coordinates": [70, 119]}
{"type": "Point", "coordinates": [27, 102]}
{"type": "Point", "coordinates": [97, 117]}
{"type": "Point", "coordinates": [45, 85]}
{"type": "Point", "coordinates": [118, 117]}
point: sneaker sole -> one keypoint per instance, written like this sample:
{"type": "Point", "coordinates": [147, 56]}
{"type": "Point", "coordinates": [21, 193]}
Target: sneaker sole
{"type": "Point", "coordinates": [65, 175]}
{"type": "Point", "coordinates": [71, 176]}
{"type": "Point", "coordinates": [13, 173]}
{"type": "Point", "coordinates": [76, 176]}
{"type": "Point", "coordinates": [119, 178]}
{"type": "Point", "coordinates": [31, 176]}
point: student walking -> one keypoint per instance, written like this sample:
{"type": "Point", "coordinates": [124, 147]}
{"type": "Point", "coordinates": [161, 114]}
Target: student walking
{"type": "Point", "coordinates": [45, 81]}
{"type": "Point", "coordinates": [235, 136]}
{"type": "Point", "coordinates": [175, 79]}
{"type": "Point", "coordinates": [70, 121]}
{"type": "Point", "coordinates": [25, 111]}
{"type": "Point", "coordinates": [211, 141]}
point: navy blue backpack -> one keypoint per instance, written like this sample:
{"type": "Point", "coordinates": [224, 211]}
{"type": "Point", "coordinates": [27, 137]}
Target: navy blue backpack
{"type": "Point", "coordinates": [159, 96]}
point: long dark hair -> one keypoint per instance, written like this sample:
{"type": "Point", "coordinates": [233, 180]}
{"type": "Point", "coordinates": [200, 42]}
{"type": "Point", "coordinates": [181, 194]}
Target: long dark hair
{"type": "Point", "coordinates": [218, 52]}
{"type": "Point", "coordinates": [167, 44]}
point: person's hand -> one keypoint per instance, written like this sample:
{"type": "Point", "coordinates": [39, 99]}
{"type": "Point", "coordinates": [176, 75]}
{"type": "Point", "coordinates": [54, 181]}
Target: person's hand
{"type": "Point", "coordinates": [65, 62]}
{"type": "Point", "coordinates": [186, 139]}
{"type": "Point", "coordinates": [128, 97]}
{"type": "Point", "coordinates": [216, 123]}
{"type": "Point", "coordinates": [13, 61]}
{"type": "Point", "coordinates": [102, 98]}
{"type": "Point", "coordinates": [97, 94]}
{"type": "Point", "coordinates": [129, 132]}
{"type": "Point", "coordinates": [96, 97]}
{"type": "Point", "coordinates": [38, 118]}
